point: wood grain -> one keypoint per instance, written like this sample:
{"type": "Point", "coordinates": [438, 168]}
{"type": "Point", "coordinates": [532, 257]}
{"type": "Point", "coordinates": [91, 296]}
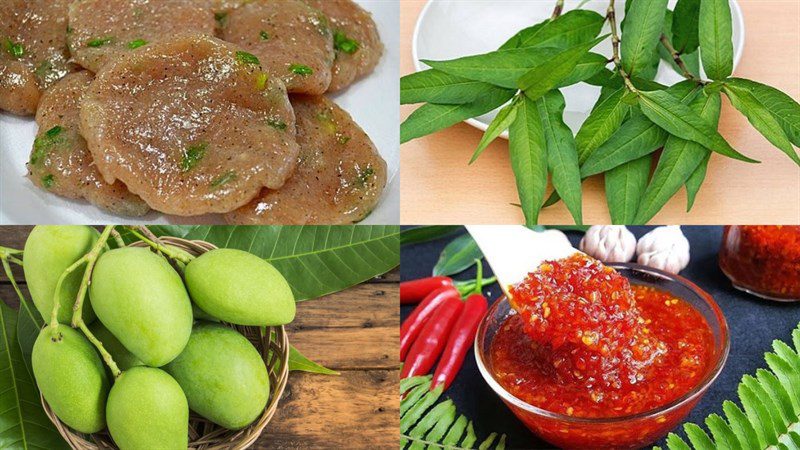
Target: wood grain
{"type": "Point", "coordinates": [355, 332]}
{"type": "Point", "coordinates": [439, 188]}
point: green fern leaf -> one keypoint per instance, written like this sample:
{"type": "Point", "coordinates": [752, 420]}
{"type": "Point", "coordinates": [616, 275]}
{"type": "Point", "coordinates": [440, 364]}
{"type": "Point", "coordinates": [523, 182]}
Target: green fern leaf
{"type": "Point", "coordinates": [436, 425]}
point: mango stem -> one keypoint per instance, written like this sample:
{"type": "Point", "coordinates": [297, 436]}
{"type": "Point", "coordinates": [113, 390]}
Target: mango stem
{"type": "Point", "coordinates": [94, 253]}
{"type": "Point", "coordinates": [177, 256]}
{"type": "Point", "coordinates": [57, 297]}
{"type": "Point", "coordinates": [102, 350]}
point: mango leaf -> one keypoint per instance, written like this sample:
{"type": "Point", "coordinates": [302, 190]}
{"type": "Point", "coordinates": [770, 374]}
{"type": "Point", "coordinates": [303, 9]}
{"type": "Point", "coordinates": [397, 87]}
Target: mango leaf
{"type": "Point", "coordinates": [567, 30]}
{"type": "Point", "coordinates": [716, 38]}
{"type": "Point", "coordinates": [430, 118]}
{"type": "Point", "coordinates": [500, 68]}
{"type": "Point", "coordinates": [23, 423]}
{"type": "Point", "coordinates": [625, 185]}
{"type": "Point", "coordinates": [678, 162]}
{"type": "Point", "coordinates": [29, 322]}
{"type": "Point", "coordinates": [547, 75]}
{"type": "Point", "coordinates": [685, 26]}
{"type": "Point", "coordinates": [316, 260]}
{"type": "Point", "coordinates": [644, 21]}
{"type": "Point", "coordinates": [678, 119]}
{"type": "Point", "coordinates": [695, 181]}
{"type": "Point", "coordinates": [562, 154]}
{"type": "Point", "coordinates": [299, 363]}
{"type": "Point", "coordinates": [504, 118]}
{"type": "Point", "coordinates": [528, 151]}
{"type": "Point", "coordinates": [459, 255]}
{"type": "Point", "coordinates": [785, 109]}
{"type": "Point", "coordinates": [760, 117]}
{"type": "Point", "coordinates": [433, 86]}
{"type": "Point", "coordinates": [426, 233]}
{"type": "Point", "coordinates": [604, 120]}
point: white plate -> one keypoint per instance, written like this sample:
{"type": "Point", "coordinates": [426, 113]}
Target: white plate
{"type": "Point", "coordinates": [372, 102]}
{"type": "Point", "coordinates": [448, 29]}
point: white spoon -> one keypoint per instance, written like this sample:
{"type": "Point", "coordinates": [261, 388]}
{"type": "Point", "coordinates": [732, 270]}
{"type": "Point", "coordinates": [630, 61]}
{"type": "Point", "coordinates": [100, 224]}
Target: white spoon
{"type": "Point", "coordinates": [515, 251]}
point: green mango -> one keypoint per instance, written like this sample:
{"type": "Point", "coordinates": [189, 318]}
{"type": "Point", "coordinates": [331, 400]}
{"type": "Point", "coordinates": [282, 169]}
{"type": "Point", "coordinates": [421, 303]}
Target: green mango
{"type": "Point", "coordinates": [223, 376]}
{"type": "Point", "coordinates": [121, 355]}
{"type": "Point", "coordinates": [147, 410]}
{"type": "Point", "coordinates": [71, 377]}
{"type": "Point", "coordinates": [241, 288]}
{"type": "Point", "coordinates": [142, 300]}
{"type": "Point", "coordinates": [49, 251]}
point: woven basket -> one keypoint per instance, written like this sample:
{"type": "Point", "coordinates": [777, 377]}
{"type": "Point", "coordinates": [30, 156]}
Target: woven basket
{"type": "Point", "coordinates": [204, 435]}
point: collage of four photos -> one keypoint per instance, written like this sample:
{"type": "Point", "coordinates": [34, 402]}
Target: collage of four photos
{"type": "Point", "coordinates": [424, 224]}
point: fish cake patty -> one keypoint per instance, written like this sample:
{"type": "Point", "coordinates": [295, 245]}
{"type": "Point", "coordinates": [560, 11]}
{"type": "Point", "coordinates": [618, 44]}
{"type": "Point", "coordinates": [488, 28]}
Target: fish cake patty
{"type": "Point", "coordinates": [340, 175]}
{"type": "Point", "coordinates": [60, 162]}
{"type": "Point", "coordinates": [193, 125]}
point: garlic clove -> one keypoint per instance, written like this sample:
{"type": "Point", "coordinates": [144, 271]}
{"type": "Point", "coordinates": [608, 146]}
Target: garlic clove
{"type": "Point", "coordinates": [609, 243]}
{"type": "Point", "coordinates": [665, 248]}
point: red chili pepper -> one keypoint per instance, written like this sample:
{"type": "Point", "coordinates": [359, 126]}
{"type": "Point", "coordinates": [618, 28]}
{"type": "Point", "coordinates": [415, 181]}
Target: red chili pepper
{"type": "Point", "coordinates": [432, 339]}
{"type": "Point", "coordinates": [461, 339]}
{"type": "Point", "coordinates": [413, 291]}
{"type": "Point", "coordinates": [414, 323]}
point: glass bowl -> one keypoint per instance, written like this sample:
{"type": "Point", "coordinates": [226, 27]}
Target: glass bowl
{"type": "Point", "coordinates": [626, 432]}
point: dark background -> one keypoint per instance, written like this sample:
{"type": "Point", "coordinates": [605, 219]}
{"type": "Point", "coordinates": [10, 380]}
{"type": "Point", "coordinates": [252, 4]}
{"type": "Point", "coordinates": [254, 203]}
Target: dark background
{"type": "Point", "coordinates": [753, 323]}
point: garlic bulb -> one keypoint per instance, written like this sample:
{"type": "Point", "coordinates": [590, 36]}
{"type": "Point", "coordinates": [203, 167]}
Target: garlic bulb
{"type": "Point", "coordinates": [664, 248]}
{"type": "Point", "coordinates": [609, 243]}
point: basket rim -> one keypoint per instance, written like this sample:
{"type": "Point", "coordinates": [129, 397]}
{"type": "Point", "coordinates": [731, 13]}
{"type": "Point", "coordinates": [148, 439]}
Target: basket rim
{"type": "Point", "coordinates": [237, 439]}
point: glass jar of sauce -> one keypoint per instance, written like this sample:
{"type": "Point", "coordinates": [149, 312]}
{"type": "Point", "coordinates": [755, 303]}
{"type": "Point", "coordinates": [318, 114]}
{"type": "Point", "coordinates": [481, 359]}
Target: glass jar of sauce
{"type": "Point", "coordinates": [763, 260]}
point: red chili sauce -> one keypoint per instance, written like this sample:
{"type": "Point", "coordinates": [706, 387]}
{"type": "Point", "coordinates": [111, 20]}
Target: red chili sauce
{"type": "Point", "coordinates": [585, 343]}
{"type": "Point", "coordinates": [763, 259]}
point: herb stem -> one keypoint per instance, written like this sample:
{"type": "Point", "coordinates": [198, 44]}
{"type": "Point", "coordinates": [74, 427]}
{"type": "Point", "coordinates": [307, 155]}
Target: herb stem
{"type": "Point", "coordinates": [677, 58]}
{"type": "Point", "coordinates": [558, 9]}
{"type": "Point", "coordinates": [611, 15]}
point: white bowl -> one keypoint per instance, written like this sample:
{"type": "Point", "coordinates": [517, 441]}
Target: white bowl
{"type": "Point", "coordinates": [448, 29]}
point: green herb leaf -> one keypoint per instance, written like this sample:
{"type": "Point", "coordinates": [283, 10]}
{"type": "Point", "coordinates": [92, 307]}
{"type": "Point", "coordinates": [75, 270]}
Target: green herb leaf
{"type": "Point", "coordinates": [636, 138]}
{"type": "Point", "coordinates": [785, 109]}
{"type": "Point", "coordinates": [277, 123]}
{"type": "Point", "coordinates": [247, 58]}
{"type": "Point", "coordinates": [590, 65]}
{"type": "Point", "coordinates": [15, 49]}
{"type": "Point", "coordinates": [344, 44]}
{"type": "Point", "coordinates": [43, 144]}
{"type": "Point", "coordinates": [716, 38]}
{"type": "Point", "coordinates": [644, 22]}
{"type": "Point", "coordinates": [604, 120]}
{"type": "Point", "coordinates": [438, 87]}
{"type": "Point", "coordinates": [426, 233]}
{"type": "Point", "coordinates": [625, 185]}
{"type": "Point", "coordinates": [48, 181]}
{"type": "Point", "coordinates": [685, 26]}
{"type": "Point", "coordinates": [193, 155]}
{"type": "Point", "coordinates": [99, 42]}
{"type": "Point", "coordinates": [568, 30]}
{"type": "Point", "coordinates": [221, 18]}
{"type": "Point", "coordinates": [695, 181]}
{"type": "Point", "coordinates": [500, 68]}
{"type": "Point", "coordinates": [430, 117]}
{"type": "Point", "coordinates": [25, 425]}
{"type": "Point", "coordinates": [679, 120]}
{"type": "Point", "coordinates": [547, 75]}
{"type": "Point", "coordinates": [263, 35]}
{"type": "Point", "coordinates": [504, 118]}
{"type": "Point", "coordinates": [761, 118]}
{"type": "Point", "coordinates": [300, 69]}
{"type": "Point", "coordinates": [224, 179]}
{"type": "Point", "coordinates": [528, 150]}
{"type": "Point", "coordinates": [562, 154]}
{"type": "Point", "coordinates": [459, 255]}
{"type": "Point", "coordinates": [678, 162]}
{"type": "Point", "coordinates": [136, 44]}
{"type": "Point", "coordinates": [299, 363]}
{"type": "Point", "coordinates": [339, 256]}
{"type": "Point", "coordinates": [691, 60]}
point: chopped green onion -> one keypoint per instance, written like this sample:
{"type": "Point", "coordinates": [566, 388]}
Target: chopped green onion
{"type": "Point", "coordinates": [222, 18]}
{"type": "Point", "coordinates": [15, 49]}
{"type": "Point", "coordinates": [55, 131]}
{"type": "Point", "coordinates": [43, 144]}
{"type": "Point", "coordinates": [342, 139]}
{"type": "Point", "coordinates": [136, 44]}
{"type": "Point", "coordinates": [48, 181]}
{"type": "Point", "coordinates": [99, 42]}
{"type": "Point", "coordinates": [247, 58]}
{"type": "Point", "coordinates": [193, 155]}
{"type": "Point", "coordinates": [365, 175]}
{"type": "Point", "coordinates": [344, 44]}
{"type": "Point", "coordinates": [276, 123]}
{"type": "Point", "coordinates": [224, 179]}
{"type": "Point", "coordinates": [264, 35]}
{"type": "Point", "coordinates": [261, 81]}
{"type": "Point", "coordinates": [300, 69]}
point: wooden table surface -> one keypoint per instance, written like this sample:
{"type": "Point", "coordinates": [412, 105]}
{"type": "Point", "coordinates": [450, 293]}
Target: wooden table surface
{"type": "Point", "coordinates": [438, 187]}
{"type": "Point", "coordinates": [355, 332]}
